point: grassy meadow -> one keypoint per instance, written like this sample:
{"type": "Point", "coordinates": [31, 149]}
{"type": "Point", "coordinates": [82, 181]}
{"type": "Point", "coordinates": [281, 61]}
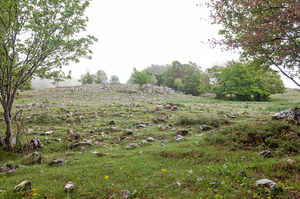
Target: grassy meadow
{"type": "Point", "coordinates": [221, 162]}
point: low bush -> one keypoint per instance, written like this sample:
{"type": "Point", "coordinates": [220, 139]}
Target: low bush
{"type": "Point", "coordinates": [276, 135]}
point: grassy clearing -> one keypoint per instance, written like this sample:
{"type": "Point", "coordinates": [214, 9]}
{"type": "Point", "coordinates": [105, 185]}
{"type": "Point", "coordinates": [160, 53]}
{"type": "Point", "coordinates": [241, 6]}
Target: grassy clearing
{"type": "Point", "coordinates": [223, 164]}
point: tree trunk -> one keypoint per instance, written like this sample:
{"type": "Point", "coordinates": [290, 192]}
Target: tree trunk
{"type": "Point", "coordinates": [8, 137]}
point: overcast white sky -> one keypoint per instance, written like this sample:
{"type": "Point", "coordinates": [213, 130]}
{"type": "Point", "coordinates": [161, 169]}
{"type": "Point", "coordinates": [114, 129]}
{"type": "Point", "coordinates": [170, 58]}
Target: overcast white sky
{"type": "Point", "coordinates": [138, 33]}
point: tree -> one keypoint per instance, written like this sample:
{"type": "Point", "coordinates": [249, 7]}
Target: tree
{"type": "Point", "coordinates": [59, 76]}
{"type": "Point", "coordinates": [37, 38]}
{"type": "Point", "coordinates": [139, 78]}
{"type": "Point", "coordinates": [100, 77]}
{"type": "Point", "coordinates": [193, 78]}
{"type": "Point", "coordinates": [153, 80]}
{"type": "Point", "coordinates": [114, 79]}
{"type": "Point", "coordinates": [87, 78]}
{"type": "Point", "coordinates": [178, 83]}
{"type": "Point", "coordinates": [237, 78]}
{"type": "Point", "coordinates": [265, 30]}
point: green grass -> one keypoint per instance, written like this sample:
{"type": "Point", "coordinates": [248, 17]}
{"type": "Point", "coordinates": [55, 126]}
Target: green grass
{"type": "Point", "coordinates": [184, 169]}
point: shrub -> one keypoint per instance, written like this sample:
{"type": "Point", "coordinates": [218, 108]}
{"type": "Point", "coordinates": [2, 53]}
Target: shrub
{"type": "Point", "coordinates": [271, 135]}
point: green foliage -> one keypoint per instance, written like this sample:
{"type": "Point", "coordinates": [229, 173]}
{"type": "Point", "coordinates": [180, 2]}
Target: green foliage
{"type": "Point", "coordinates": [139, 78]}
{"type": "Point", "coordinates": [178, 83]}
{"type": "Point", "coordinates": [87, 78]}
{"type": "Point", "coordinates": [114, 79]}
{"type": "Point", "coordinates": [241, 83]}
{"type": "Point", "coordinates": [193, 79]}
{"type": "Point", "coordinates": [153, 80]}
{"type": "Point", "coordinates": [266, 31]}
{"type": "Point", "coordinates": [37, 38]}
{"type": "Point", "coordinates": [100, 77]}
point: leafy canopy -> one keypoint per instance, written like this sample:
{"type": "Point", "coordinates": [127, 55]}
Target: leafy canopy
{"type": "Point", "coordinates": [264, 30]}
{"type": "Point", "coordinates": [38, 38]}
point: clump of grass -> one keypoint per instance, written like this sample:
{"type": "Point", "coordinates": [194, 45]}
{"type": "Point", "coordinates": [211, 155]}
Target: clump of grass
{"type": "Point", "coordinates": [277, 135]}
{"type": "Point", "coordinates": [200, 120]}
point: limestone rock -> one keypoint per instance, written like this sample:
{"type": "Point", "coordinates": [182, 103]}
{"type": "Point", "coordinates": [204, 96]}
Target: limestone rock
{"type": "Point", "coordinates": [10, 167]}
{"type": "Point", "coordinates": [178, 138]}
{"type": "Point", "coordinates": [57, 162]}
{"type": "Point", "coordinates": [80, 144]}
{"type": "Point", "coordinates": [128, 132]}
{"type": "Point", "coordinates": [183, 132]}
{"type": "Point", "coordinates": [205, 127]}
{"type": "Point", "coordinates": [25, 185]}
{"type": "Point", "coordinates": [125, 194]}
{"type": "Point", "coordinates": [144, 142]}
{"type": "Point", "coordinates": [293, 116]}
{"type": "Point", "coordinates": [266, 154]}
{"type": "Point", "coordinates": [150, 139]}
{"type": "Point", "coordinates": [268, 184]}
{"type": "Point", "coordinates": [130, 146]}
{"type": "Point", "coordinates": [69, 186]}
{"type": "Point", "coordinates": [36, 144]}
{"type": "Point", "coordinates": [280, 115]}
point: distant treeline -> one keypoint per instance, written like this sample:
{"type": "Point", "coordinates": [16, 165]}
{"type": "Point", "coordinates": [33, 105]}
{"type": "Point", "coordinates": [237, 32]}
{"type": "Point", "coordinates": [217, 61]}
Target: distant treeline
{"type": "Point", "coordinates": [235, 80]}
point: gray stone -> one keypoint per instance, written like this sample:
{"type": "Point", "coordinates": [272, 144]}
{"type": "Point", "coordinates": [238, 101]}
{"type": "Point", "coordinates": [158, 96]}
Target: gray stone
{"type": "Point", "coordinates": [266, 154]}
{"type": "Point", "coordinates": [268, 184]}
{"type": "Point", "coordinates": [205, 127]}
{"type": "Point", "coordinates": [178, 138]}
{"type": "Point", "coordinates": [150, 139]}
{"type": "Point", "coordinates": [125, 194]}
{"type": "Point", "coordinates": [25, 185]}
{"type": "Point", "coordinates": [280, 115]}
{"type": "Point", "coordinates": [144, 142]}
{"type": "Point", "coordinates": [183, 132]}
{"type": "Point", "coordinates": [36, 144]}
{"type": "Point", "coordinates": [128, 132]}
{"type": "Point", "coordinates": [69, 186]}
{"type": "Point", "coordinates": [57, 162]}
{"type": "Point", "coordinates": [130, 146]}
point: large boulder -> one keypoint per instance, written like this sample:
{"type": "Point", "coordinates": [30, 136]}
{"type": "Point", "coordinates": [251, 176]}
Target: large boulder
{"type": "Point", "coordinates": [293, 116]}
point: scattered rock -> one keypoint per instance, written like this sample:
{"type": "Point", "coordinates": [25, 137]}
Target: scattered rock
{"type": "Point", "coordinates": [57, 162]}
{"type": "Point", "coordinates": [178, 138]}
{"type": "Point", "coordinates": [233, 116]}
{"type": "Point", "coordinates": [40, 159]}
{"type": "Point", "coordinates": [57, 139]}
{"type": "Point", "coordinates": [128, 132]}
{"type": "Point", "coordinates": [183, 132]}
{"type": "Point", "coordinates": [268, 184]}
{"type": "Point", "coordinates": [150, 139]}
{"type": "Point", "coordinates": [36, 144]}
{"type": "Point", "coordinates": [280, 115]}
{"type": "Point", "coordinates": [47, 133]}
{"type": "Point", "coordinates": [116, 140]}
{"type": "Point", "coordinates": [25, 185]}
{"type": "Point", "coordinates": [130, 146]}
{"type": "Point", "coordinates": [10, 167]}
{"type": "Point", "coordinates": [144, 142]}
{"type": "Point", "coordinates": [174, 108]}
{"type": "Point", "coordinates": [205, 127]}
{"type": "Point", "coordinates": [168, 106]}
{"type": "Point", "coordinates": [242, 173]}
{"type": "Point", "coordinates": [34, 154]}
{"type": "Point", "coordinates": [214, 182]}
{"type": "Point", "coordinates": [125, 194]}
{"type": "Point", "coordinates": [113, 122]}
{"type": "Point", "coordinates": [69, 186]}
{"type": "Point", "coordinates": [293, 116]}
{"type": "Point", "coordinates": [266, 154]}
{"type": "Point", "coordinates": [80, 143]}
